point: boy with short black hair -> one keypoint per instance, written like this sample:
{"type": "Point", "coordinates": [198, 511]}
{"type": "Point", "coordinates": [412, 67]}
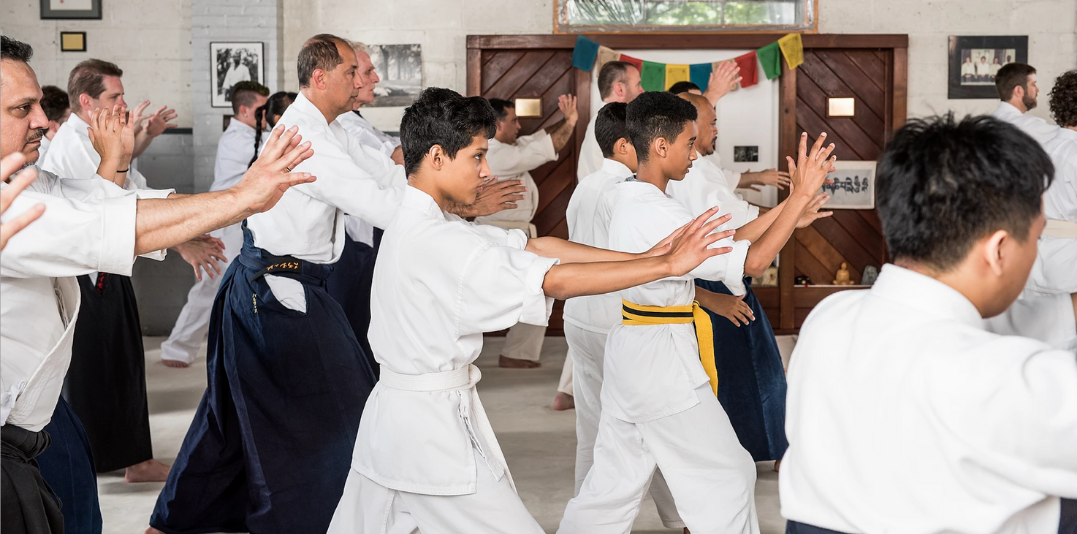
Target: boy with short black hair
{"type": "Point", "coordinates": [904, 413]}
{"type": "Point", "coordinates": [659, 407]}
{"type": "Point", "coordinates": [439, 284]}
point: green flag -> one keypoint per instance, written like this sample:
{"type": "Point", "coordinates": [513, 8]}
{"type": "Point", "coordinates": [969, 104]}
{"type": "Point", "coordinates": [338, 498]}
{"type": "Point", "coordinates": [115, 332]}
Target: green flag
{"type": "Point", "coordinates": [770, 57]}
{"type": "Point", "coordinates": [653, 76]}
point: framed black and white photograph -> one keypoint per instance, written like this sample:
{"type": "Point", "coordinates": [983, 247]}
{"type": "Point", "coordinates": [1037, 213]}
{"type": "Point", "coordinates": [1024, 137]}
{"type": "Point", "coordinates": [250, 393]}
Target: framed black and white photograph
{"type": "Point", "coordinates": [232, 63]}
{"type": "Point", "coordinates": [853, 187]}
{"type": "Point", "coordinates": [71, 9]}
{"type": "Point", "coordinates": [746, 153]}
{"type": "Point", "coordinates": [400, 68]}
{"type": "Point", "coordinates": [974, 62]}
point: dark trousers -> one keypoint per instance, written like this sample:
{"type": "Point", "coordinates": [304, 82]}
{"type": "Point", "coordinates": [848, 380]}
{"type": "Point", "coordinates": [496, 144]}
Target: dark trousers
{"type": "Point", "coordinates": [349, 284]}
{"type": "Point", "coordinates": [751, 379]}
{"type": "Point", "coordinates": [27, 504]}
{"type": "Point", "coordinates": [271, 444]}
{"type": "Point", "coordinates": [68, 467]}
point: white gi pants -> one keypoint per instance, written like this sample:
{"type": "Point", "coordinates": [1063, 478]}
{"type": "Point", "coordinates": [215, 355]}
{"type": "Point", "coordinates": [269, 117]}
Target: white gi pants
{"type": "Point", "coordinates": [192, 325]}
{"type": "Point", "coordinates": [709, 473]}
{"type": "Point", "coordinates": [524, 342]}
{"type": "Point", "coordinates": [564, 385]}
{"type": "Point", "coordinates": [370, 508]}
{"type": "Point", "coordinates": [586, 350]}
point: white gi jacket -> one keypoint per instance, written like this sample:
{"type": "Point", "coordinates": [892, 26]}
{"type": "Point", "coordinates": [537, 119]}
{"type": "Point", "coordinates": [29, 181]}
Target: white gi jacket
{"type": "Point", "coordinates": [43, 149]}
{"type": "Point", "coordinates": [1055, 270]}
{"type": "Point", "coordinates": [588, 217]}
{"type": "Point", "coordinates": [367, 135]}
{"type": "Point", "coordinates": [307, 222]}
{"type": "Point", "coordinates": [439, 284]}
{"type": "Point", "coordinates": [1047, 318]}
{"type": "Point", "coordinates": [1040, 130]}
{"type": "Point", "coordinates": [590, 160]}
{"type": "Point", "coordinates": [906, 416]}
{"type": "Point", "coordinates": [235, 144]}
{"type": "Point", "coordinates": [652, 371]}
{"type": "Point", "coordinates": [704, 187]}
{"type": "Point", "coordinates": [72, 155]}
{"type": "Point", "coordinates": [88, 225]}
{"type": "Point", "coordinates": [513, 162]}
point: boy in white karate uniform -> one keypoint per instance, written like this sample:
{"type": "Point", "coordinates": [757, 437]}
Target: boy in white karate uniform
{"type": "Point", "coordinates": [658, 401]}
{"type": "Point", "coordinates": [426, 458]}
{"type": "Point", "coordinates": [905, 414]}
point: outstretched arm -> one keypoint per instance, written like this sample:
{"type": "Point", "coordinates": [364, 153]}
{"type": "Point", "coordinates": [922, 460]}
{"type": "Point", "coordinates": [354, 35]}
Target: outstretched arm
{"type": "Point", "coordinates": [163, 223]}
{"type": "Point", "coordinates": [688, 249]}
{"type": "Point", "coordinates": [570, 252]}
{"type": "Point", "coordinates": [561, 132]}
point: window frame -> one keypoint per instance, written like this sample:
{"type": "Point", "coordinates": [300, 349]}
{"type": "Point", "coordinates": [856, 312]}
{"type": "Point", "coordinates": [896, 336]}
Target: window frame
{"type": "Point", "coordinates": [811, 8]}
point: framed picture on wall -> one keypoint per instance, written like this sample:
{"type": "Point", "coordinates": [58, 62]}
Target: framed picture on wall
{"type": "Point", "coordinates": [853, 187]}
{"type": "Point", "coordinates": [71, 9]}
{"type": "Point", "coordinates": [400, 67]}
{"type": "Point", "coordinates": [234, 62]}
{"type": "Point", "coordinates": [974, 62]}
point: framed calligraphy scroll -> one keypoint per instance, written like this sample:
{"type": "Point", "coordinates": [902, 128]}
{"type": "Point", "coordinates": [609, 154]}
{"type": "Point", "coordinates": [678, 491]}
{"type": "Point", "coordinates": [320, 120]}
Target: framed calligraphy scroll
{"type": "Point", "coordinates": [853, 187]}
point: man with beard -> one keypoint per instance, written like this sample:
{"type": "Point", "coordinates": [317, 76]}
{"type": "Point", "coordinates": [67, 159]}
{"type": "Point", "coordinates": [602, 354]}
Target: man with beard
{"type": "Point", "coordinates": [1016, 84]}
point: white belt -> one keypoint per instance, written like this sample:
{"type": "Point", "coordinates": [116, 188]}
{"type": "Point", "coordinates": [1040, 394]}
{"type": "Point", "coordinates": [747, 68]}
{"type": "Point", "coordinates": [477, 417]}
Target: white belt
{"type": "Point", "coordinates": [1057, 228]}
{"type": "Point", "coordinates": [471, 410]}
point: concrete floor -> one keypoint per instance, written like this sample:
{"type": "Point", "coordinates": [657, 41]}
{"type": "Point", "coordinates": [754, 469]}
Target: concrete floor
{"type": "Point", "coordinates": [538, 442]}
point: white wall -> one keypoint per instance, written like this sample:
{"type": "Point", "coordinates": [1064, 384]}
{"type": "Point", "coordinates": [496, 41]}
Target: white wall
{"type": "Point", "coordinates": [149, 39]}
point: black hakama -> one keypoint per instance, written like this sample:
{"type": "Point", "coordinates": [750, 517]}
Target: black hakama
{"type": "Point", "coordinates": [271, 444]}
{"type": "Point", "coordinates": [67, 466]}
{"type": "Point", "coordinates": [27, 503]}
{"type": "Point", "coordinates": [751, 378]}
{"type": "Point", "coordinates": [106, 383]}
{"type": "Point", "coordinates": [349, 284]}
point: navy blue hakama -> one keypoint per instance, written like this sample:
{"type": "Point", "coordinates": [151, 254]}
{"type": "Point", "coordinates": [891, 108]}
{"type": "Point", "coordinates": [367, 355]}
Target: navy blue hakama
{"type": "Point", "coordinates": [751, 378]}
{"type": "Point", "coordinates": [271, 444]}
{"type": "Point", "coordinates": [67, 466]}
{"type": "Point", "coordinates": [349, 284]}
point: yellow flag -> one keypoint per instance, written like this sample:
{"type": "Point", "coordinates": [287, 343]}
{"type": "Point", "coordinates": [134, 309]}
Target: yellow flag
{"type": "Point", "coordinates": [605, 55]}
{"type": "Point", "coordinates": [676, 73]}
{"type": "Point", "coordinates": [793, 50]}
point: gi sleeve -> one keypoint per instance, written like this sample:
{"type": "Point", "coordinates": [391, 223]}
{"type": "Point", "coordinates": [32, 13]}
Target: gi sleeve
{"type": "Point", "coordinates": [502, 286]}
{"type": "Point", "coordinates": [590, 154]}
{"type": "Point", "coordinates": [72, 237]}
{"type": "Point", "coordinates": [726, 268]}
{"type": "Point", "coordinates": [344, 184]}
{"type": "Point", "coordinates": [1048, 319]}
{"type": "Point", "coordinates": [529, 152]}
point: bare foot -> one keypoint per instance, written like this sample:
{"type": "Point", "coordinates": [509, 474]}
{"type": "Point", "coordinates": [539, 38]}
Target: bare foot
{"type": "Point", "coordinates": [513, 363]}
{"type": "Point", "coordinates": [148, 471]}
{"type": "Point", "coordinates": [152, 530]}
{"type": "Point", "coordinates": [563, 401]}
{"type": "Point", "coordinates": [175, 363]}
{"type": "Point", "coordinates": [686, 531]}
{"type": "Point", "coordinates": [777, 465]}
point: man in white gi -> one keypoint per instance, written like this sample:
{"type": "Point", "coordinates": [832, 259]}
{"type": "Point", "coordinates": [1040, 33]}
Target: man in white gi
{"type": "Point", "coordinates": [354, 122]}
{"type": "Point", "coordinates": [95, 84]}
{"type": "Point", "coordinates": [235, 150]}
{"type": "Point", "coordinates": [57, 108]}
{"type": "Point", "coordinates": [659, 407]}
{"type": "Point", "coordinates": [88, 225]}
{"type": "Point", "coordinates": [968, 70]}
{"type": "Point", "coordinates": [618, 81]}
{"type": "Point", "coordinates": [281, 464]}
{"type": "Point", "coordinates": [905, 414]}
{"type": "Point", "coordinates": [588, 319]}
{"type": "Point", "coordinates": [440, 283]}
{"type": "Point", "coordinates": [512, 157]}
{"type": "Point", "coordinates": [1016, 85]}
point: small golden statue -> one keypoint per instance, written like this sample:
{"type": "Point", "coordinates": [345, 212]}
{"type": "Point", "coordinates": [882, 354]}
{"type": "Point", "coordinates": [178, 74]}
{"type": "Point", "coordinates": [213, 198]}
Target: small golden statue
{"type": "Point", "coordinates": [843, 278]}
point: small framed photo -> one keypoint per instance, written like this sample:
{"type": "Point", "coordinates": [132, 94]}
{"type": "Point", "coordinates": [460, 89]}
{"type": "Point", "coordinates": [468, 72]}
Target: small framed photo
{"type": "Point", "coordinates": [853, 187]}
{"type": "Point", "coordinates": [72, 41]}
{"type": "Point", "coordinates": [400, 67]}
{"type": "Point", "coordinates": [234, 62]}
{"type": "Point", "coordinates": [974, 62]}
{"type": "Point", "coordinates": [71, 9]}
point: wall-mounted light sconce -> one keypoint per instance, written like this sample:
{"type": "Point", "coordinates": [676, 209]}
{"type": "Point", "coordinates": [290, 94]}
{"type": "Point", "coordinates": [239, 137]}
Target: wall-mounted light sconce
{"type": "Point", "coordinates": [528, 107]}
{"type": "Point", "coordinates": [840, 107]}
{"type": "Point", "coordinates": [72, 41]}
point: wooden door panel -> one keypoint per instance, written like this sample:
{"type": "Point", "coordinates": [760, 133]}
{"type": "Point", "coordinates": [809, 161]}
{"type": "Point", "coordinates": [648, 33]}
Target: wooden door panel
{"type": "Point", "coordinates": [496, 64]}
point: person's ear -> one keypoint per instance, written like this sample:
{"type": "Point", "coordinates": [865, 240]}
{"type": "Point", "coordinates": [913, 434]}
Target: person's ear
{"type": "Point", "coordinates": [317, 78]}
{"type": "Point", "coordinates": [1019, 91]}
{"type": "Point", "coordinates": [85, 102]}
{"type": "Point", "coordinates": [437, 158]}
{"type": "Point", "coordinates": [660, 146]}
{"type": "Point", "coordinates": [997, 250]}
{"type": "Point", "coordinates": [621, 147]}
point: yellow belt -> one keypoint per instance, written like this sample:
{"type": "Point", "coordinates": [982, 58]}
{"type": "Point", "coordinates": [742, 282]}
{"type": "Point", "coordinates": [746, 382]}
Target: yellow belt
{"type": "Point", "coordinates": [635, 314]}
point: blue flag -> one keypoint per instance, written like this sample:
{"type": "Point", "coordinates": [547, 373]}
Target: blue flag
{"type": "Point", "coordinates": [700, 74]}
{"type": "Point", "coordinates": [583, 57]}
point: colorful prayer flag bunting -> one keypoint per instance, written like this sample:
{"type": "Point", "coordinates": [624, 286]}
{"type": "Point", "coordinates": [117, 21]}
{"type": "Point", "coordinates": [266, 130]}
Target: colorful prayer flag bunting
{"type": "Point", "coordinates": [674, 74]}
{"type": "Point", "coordinates": [700, 74]}
{"type": "Point", "coordinates": [748, 73]}
{"type": "Point", "coordinates": [770, 58]}
{"type": "Point", "coordinates": [583, 57]}
{"type": "Point", "coordinates": [716, 64]}
{"type": "Point", "coordinates": [605, 55]}
{"type": "Point", "coordinates": [637, 62]}
{"type": "Point", "coordinates": [793, 50]}
{"type": "Point", "coordinates": [653, 76]}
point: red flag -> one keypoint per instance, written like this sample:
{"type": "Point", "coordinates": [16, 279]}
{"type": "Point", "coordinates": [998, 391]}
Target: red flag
{"type": "Point", "coordinates": [747, 64]}
{"type": "Point", "coordinates": [637, 62]}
